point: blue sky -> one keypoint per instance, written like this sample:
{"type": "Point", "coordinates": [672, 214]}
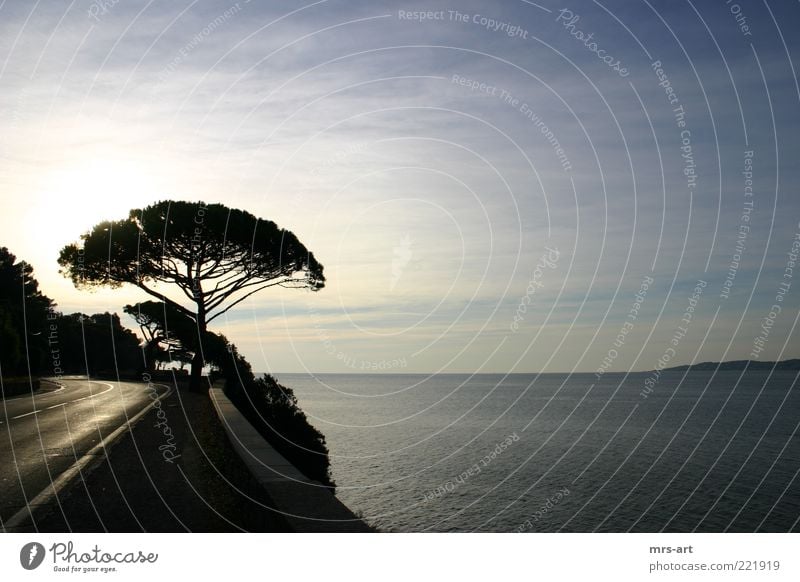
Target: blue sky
{"type": "Point", "coordinates": [429, 202]}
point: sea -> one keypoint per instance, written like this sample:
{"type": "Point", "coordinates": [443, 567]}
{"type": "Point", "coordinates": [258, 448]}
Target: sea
{"type": "Point", "coordinates": [679, 452]}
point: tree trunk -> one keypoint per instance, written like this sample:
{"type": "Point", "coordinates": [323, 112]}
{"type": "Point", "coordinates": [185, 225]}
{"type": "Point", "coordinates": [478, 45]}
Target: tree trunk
{"type": "Point", "coordinates": [151, 351]}
{"type": "Point", "coordinates": [196, 376]}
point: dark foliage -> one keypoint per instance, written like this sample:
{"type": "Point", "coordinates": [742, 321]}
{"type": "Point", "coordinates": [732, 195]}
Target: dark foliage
{"type": "Point", "coordinates": [37, 340]}
{"type": "Point", "coordinates": [96, 345]}
{"type": "Point", "coordinates": [23, 318]}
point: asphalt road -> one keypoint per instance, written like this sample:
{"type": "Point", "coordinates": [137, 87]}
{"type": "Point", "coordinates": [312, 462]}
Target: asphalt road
{"type": "Point", "coordinates": [42, 436]}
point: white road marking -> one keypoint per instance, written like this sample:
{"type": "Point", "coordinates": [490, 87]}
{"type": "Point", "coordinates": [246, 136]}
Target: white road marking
{"type": "Point", "coordinates": [85, 463]}
{"type": "Point", "coordinates": [110, 388]}
{"type": "Point", "coordinates": [23, 415]}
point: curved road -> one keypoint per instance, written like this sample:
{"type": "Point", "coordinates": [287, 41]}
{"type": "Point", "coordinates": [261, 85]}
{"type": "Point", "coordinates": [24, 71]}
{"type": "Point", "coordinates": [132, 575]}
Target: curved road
{"type": "Point", "coordinates": [44, 435]}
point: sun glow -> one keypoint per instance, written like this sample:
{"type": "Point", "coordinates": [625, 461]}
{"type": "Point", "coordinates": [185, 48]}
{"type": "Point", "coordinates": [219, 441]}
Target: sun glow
{"type": "Point", "coordinates": [81, 195]}
{"type": "Point", "coordinates": [67, 201]}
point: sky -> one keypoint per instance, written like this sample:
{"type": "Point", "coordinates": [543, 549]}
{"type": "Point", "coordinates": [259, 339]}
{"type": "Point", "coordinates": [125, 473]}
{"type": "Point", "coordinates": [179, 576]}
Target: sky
{"type": "Point", "coordinates": [491, 187]}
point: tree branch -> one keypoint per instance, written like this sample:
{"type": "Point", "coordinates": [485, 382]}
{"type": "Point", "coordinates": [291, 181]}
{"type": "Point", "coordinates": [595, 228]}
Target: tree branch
{"type": "Point", "coordinates": [165, 299]}
{"type": "Point", "coordinates": [216, 315]}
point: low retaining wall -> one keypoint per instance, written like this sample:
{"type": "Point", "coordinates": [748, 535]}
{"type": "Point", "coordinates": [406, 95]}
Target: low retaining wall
{"type": "Point", "coordinates": [307, 505]}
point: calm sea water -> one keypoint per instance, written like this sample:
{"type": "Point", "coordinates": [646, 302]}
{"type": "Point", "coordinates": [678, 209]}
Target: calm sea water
{"type": "Point", "coordinates": [552, 452]}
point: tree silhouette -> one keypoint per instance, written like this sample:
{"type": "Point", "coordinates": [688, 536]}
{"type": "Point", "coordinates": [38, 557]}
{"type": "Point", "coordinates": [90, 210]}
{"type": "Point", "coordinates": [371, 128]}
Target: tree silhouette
{"type": "Point", "coordinates": [168, 333]}
{"type": "Point", "coordinates": [97, 345]}
{"type": "Point", "coordinates": [215, 256]}
{"type": "Point", "coordinates": [23, 318]}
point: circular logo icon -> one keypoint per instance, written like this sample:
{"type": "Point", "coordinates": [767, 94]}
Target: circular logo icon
{"type": "Point", "coordinates": [31, 555]}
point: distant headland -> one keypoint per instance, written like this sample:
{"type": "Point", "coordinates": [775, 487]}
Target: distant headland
{"type": "Point", "coordinates": [739, 365]}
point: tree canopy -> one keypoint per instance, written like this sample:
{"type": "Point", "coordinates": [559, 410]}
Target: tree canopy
{"type": "Point", "coordinates": [183, 253]}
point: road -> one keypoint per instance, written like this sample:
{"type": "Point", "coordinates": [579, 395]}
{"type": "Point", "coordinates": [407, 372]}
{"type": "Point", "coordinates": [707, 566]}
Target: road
{"type": "Point", "coordinates": [44, 435]}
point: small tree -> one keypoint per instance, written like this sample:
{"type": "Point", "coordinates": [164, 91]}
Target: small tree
{"type": "Point", "coordinates": [162, 325]}
{"type": "Point", "coordinates": [213, 256]}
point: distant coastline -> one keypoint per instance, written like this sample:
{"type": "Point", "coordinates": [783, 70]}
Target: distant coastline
{"type": "Point", "coordinates": [733, 365]}
{"type": "Point", "coordinates": [738, 365]}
